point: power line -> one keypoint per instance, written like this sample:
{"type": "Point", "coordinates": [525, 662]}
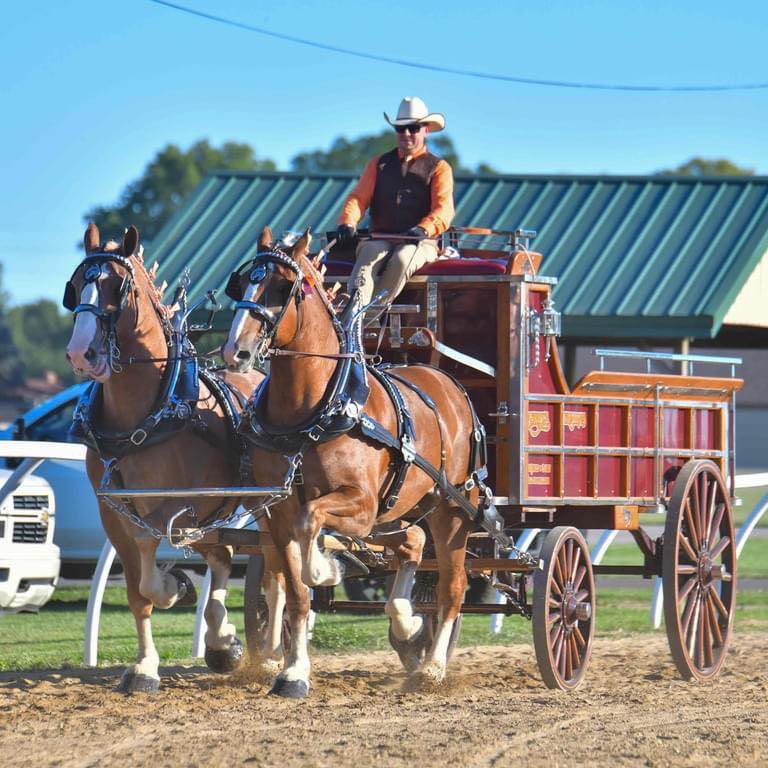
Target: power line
{"type": "Point", "coordinates": [454, 71]}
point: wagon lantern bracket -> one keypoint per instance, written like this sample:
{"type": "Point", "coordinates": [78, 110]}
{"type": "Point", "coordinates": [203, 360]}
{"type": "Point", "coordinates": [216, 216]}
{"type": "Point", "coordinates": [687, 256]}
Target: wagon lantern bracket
{"type": "Point", "coordinates": [547, 323]}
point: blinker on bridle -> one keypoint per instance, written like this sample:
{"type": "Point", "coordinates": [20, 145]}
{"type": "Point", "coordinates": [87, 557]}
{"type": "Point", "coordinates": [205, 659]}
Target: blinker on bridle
{"type": "Point", "coordinates": [94, 267]}
{"type": "Point", "coordinates": [262, 266]}
{"type": "Point", "coordinates": [94, 264]}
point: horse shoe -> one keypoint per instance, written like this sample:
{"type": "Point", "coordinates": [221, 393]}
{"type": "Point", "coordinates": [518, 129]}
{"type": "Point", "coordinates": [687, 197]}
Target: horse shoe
{"type": "Point", "coordinates": [186, 589]}
{"type": "Point", "coordinates": [289, 689]}
{"type": "Point", "coordinates": [411, 652]}
{"type": "Point", "coordinates": [225, 660]}
{"type": "Point", "coordinates": [135, 682]}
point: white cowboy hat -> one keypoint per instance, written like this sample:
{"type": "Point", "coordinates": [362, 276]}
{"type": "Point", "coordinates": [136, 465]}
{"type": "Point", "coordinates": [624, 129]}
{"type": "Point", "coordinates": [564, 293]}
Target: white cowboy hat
{"type": "Point", "coordinates": [414, 110]}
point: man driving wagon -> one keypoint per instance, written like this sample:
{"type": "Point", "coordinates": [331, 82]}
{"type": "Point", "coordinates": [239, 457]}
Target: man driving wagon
{"type": "Point", "coordinates": [409, 192]}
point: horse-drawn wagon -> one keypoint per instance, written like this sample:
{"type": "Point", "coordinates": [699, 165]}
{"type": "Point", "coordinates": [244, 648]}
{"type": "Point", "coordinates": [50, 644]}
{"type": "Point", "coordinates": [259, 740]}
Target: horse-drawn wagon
{"type": "Point", "coordinates": [369, 463]}
{"type": "Point", "coordinates": [567, 460]}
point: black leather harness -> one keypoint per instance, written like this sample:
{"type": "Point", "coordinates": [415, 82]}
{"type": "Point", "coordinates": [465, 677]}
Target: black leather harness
{"type": "Point", "coordinates": [342, 411]}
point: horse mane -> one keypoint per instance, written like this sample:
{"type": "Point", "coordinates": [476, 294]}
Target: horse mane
{"type": "Point", "coordinates": [155, 292]}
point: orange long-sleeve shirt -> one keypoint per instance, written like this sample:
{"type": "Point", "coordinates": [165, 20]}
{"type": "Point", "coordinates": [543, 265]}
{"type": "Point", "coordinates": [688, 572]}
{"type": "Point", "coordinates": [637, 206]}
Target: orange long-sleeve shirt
{"type": "Point", "coordinates": [435, 222]}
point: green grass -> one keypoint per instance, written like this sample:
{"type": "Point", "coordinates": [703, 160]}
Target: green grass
{"type": "Point", "coordinates": [749, 497]}
{"type": "Point", "coordinates": [54, 637]}
{"type": "Point", "coordinates": [753, 563]}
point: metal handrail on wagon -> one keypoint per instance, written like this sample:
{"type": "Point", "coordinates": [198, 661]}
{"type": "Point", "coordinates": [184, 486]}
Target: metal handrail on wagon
{"type": "Point", "coordinates": [637, 354]}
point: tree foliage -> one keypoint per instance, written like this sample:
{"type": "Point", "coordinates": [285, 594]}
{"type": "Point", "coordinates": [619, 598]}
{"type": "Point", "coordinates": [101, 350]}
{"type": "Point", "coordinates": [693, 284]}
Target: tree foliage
{"type": "Point", "coordinates": [11, 367]}
{"type": "Point", "coordinates": [149, 201]}
{"type": "Point", "coordinates": [172, 174]}
{"type": "Point", "coordinates": [700, 166]}
{"type": "Point", "coordinates": [40, 333]}
{"type": "Point", "coordinates": [352, 154]}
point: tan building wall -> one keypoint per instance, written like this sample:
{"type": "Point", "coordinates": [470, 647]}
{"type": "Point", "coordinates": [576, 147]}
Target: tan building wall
{"type": "Point", "coordinates": [751, 305]}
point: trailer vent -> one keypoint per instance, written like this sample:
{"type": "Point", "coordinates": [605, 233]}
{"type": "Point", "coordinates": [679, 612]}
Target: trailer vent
{"type": "Point", "coordinates": [30, 502]}
{"type": "Point", "coordinates": [29, 533]}
{"type": "Point", "coordinates": [2, 529]}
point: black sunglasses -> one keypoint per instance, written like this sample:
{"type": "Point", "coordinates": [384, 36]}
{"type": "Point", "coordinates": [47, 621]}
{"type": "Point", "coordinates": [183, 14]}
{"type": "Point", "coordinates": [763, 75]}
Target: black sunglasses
{"type": "Point", "coordinates": [413, 128]}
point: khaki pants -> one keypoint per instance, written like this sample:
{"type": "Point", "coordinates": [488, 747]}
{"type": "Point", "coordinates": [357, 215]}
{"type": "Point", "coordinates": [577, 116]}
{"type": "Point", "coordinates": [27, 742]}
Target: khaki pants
{"type": "Point", "coordinates": [373, 274]}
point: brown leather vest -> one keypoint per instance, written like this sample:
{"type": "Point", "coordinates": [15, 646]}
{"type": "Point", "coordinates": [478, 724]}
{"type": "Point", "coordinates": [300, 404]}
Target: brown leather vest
{"type": "Point", "coordinates": [402, 196]}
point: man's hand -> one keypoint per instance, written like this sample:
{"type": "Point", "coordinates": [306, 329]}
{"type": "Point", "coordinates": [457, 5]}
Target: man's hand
{"type": "Point", "coordinates": [345, 234]}
{"type": "Point", "coordinates": [417, 234]}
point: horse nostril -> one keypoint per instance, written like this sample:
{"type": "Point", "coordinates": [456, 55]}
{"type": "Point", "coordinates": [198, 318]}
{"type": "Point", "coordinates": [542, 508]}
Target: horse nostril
{"type": "Point", "coordinates": [243, 354]}
{"type": "Point", "coordinates": [90, 355]}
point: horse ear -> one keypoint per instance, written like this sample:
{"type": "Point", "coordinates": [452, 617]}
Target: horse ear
{"type": "Point", "coordinates": [91, 238]}
{"type": "Point", "coordinates": [265, 239]}
{"type": "Point", "coordinates": [130, 241]}
{"type": "Point", "coordinates": [302, 245]}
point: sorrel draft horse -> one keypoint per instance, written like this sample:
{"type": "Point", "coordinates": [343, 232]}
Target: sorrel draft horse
{"type": "Point", "coordinates": [347, 481]}
{"type": "Point", "coordinates": [121, 339]}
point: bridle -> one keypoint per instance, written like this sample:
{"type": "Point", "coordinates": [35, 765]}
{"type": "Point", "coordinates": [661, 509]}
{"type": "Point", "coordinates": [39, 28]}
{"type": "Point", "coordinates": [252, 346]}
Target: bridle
{"type": "Point", "coordinates": [95, 264]}
{"type": "Point", "coordinates": [261, 267]}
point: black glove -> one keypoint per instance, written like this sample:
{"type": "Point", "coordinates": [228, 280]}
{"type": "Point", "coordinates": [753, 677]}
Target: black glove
{"type": "Point", "coordinates": [345, 234]}
{"type": "Point", "coordinates": [416, 234]}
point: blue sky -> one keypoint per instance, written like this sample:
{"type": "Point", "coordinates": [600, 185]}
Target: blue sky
{"type": "Point", "coordinates": [92, 89]}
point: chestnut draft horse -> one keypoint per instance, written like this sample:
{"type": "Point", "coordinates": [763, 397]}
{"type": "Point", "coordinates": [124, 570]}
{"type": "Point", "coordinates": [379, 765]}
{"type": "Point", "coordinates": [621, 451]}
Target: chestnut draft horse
{"type": "Point", "coordinates": [152, 432]}
{"type": "Point", "coordinates": [349, 484]}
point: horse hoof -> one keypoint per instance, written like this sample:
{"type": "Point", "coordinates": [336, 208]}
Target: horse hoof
{"type": "Point", "coordinates": [187, 594]}
{"type": "Point", "coordinates": [432, 675]}
{"type": "Point", "coordinates": [411, 652]}
{"type": "Point", "coordinates": [290, 689]}
{"type": "Point", "coordinates": [135, 682]}
{"type": "Point", "coordinates": [225, 660]}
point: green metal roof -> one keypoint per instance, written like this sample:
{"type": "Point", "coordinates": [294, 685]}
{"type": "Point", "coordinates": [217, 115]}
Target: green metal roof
{"type": "Point", "coordinates": [647, 256]}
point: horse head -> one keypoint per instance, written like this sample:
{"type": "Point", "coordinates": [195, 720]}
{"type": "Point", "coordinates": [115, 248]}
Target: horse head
{"type": "Point", "coordinates": [268, 291]}
{"type": "Point", "coordinates": [105, 293]}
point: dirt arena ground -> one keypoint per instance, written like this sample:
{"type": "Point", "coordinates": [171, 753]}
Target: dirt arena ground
{"type": "Point", "coordinates": [632, 710]}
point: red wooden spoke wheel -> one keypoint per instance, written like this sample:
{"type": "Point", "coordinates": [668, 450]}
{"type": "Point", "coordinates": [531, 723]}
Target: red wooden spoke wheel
{"type": "Point", "coordinates": [257, 611]}
{"type": "Point", "coordinates": [699, 571]}
{"type": "Point", "coordinates": [563, 609]}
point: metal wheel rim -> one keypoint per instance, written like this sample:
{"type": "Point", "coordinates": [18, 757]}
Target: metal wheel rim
{"type": "Point", "coordinates": [699, 571]}
{"type": "Point", "coordinates": [564, 592]}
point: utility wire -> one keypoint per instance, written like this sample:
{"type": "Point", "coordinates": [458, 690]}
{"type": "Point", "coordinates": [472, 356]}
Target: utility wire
{"type": "Point", "coordinates": [453, 71]}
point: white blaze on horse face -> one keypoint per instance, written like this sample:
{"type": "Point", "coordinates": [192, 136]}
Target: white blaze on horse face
{"type": "Point", "coordinates": [232, 346]}
{"type": "Point", "coordinates": [84, 332]}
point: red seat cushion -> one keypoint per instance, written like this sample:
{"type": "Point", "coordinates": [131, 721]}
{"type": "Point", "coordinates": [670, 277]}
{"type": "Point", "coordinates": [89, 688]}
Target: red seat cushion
{"type": "Point", "coordinates": [439, 267]}
{"type": "Point", "coordinates": [464, 267]}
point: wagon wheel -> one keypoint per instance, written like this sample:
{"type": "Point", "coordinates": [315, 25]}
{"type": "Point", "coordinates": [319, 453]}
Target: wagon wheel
{"type": "Point", "coordinates": [563, 609]}
{"type": "Point", "coordinates": [699, 571]}
{"type": "Point", "coordinates": [424, 591]}
{"type": "Point", "coordinates": [256, 609]}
